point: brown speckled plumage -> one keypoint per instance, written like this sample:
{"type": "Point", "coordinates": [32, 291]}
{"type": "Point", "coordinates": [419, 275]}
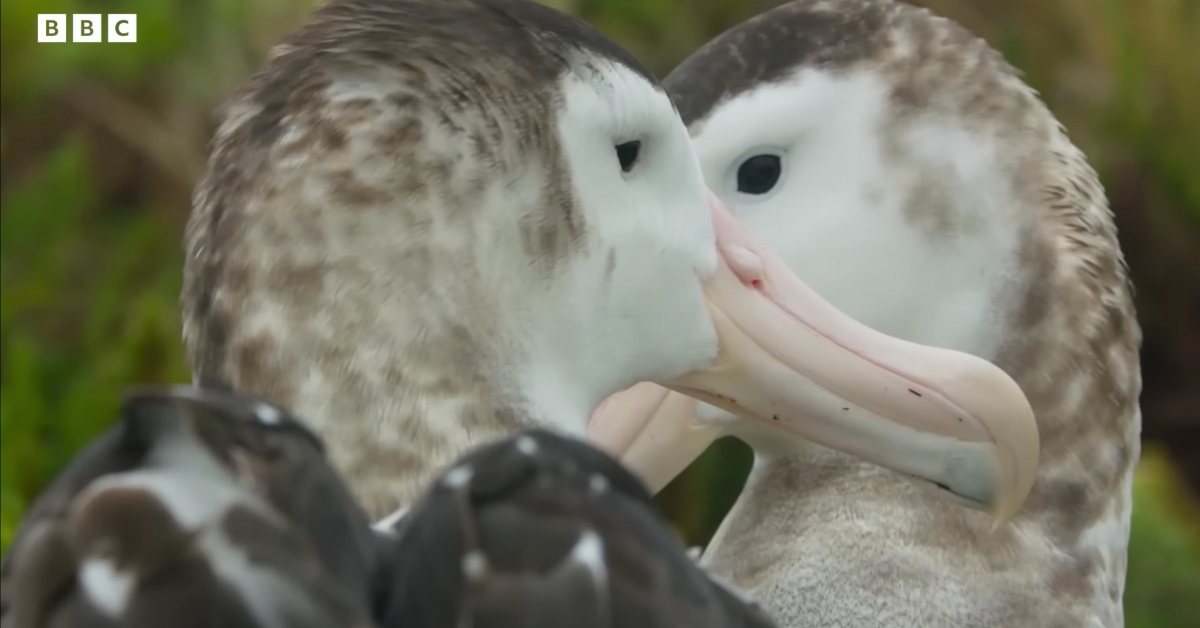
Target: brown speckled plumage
{"type": "Point", "coordinates": [825, 540]}
{"type": "Point", "coordinates": [373, 148]}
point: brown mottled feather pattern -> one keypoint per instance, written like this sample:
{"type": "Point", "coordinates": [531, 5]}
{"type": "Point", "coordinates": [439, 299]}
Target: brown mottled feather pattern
{"type": "Point", "coordinates": [358, 200]}
{"type": "Point", "coordinates": [871, 548]}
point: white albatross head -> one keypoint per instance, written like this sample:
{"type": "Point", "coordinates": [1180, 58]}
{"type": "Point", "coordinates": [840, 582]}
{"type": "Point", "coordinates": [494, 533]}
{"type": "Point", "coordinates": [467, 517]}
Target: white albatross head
{"type": "Point", "coordinates": [900, 217]}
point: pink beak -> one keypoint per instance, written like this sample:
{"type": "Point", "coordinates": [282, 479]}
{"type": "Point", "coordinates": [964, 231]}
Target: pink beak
{"type": "Point", "coordinates": [796, 369]}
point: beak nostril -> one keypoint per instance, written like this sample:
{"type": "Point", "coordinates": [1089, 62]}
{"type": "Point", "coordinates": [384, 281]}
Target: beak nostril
{"type": "Point", "coordinates": [745, 264]}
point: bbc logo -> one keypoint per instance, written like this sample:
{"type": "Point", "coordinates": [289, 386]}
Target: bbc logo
{"type": "Point", "coordinates": [52, 27]}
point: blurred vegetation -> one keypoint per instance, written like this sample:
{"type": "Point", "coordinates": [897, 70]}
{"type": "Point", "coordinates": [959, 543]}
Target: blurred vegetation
{"type": "Point", "coordinates": [100, 145]}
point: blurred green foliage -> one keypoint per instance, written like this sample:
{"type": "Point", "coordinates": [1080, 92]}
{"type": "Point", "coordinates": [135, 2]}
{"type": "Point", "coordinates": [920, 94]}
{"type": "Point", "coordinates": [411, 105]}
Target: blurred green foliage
{"type": "Point", "coordinates": [100, 145]}
{"type": "Point", "coordinates": [89, 306]}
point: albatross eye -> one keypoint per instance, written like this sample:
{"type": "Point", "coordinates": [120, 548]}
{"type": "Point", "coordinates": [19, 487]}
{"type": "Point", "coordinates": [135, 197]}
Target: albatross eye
{"type": "Point", "coordinates": [627, 154]}
{"type": "Point", "coordinates": [758, 174]}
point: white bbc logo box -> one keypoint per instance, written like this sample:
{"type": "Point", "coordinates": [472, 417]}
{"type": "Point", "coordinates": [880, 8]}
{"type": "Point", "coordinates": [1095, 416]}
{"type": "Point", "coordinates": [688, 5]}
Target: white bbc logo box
{"type": "Point", "coordinates": [87, 27]}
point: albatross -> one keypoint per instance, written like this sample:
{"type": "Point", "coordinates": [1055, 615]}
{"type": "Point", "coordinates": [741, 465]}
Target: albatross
{"type": "Point", "coordinates": [900, 166]}
{"type": "Point", "coordinates": [543, 530]}
{"type": "Point", "coordinates": [200, 507]}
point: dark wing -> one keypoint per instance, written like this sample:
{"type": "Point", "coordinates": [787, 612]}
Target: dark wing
{"type": "Point", "coordinates": [319, 553]}
{"type": "Point", "coordinates": [328, 549]}
{"type": "Point", "coordinates": [290, 466]}
{"type": "Point", "coordinates": [39, 566]}
{"type": "Point", "coordinates": [544, 531]}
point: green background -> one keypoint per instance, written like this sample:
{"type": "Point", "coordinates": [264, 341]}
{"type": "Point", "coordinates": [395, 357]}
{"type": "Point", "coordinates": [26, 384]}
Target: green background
{"type": "Point", "coordinates": [100, 145]}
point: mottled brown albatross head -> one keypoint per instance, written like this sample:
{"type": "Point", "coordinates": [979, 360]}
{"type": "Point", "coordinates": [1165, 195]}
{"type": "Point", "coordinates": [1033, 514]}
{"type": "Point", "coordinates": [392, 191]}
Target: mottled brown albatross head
{"type": "Point", "coordinates": [426, 224]}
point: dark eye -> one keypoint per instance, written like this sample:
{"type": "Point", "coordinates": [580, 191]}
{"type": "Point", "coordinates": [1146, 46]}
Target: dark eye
{"type": "Point", "coordinates": [758, 174]}
{"type": "Point", "coordinates": [627, 154]}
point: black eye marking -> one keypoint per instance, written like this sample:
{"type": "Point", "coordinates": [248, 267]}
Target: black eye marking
{"type": "Point", "coordinates": [759, 174]}
{"type": "Point", "coordinates": [627, 154]}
